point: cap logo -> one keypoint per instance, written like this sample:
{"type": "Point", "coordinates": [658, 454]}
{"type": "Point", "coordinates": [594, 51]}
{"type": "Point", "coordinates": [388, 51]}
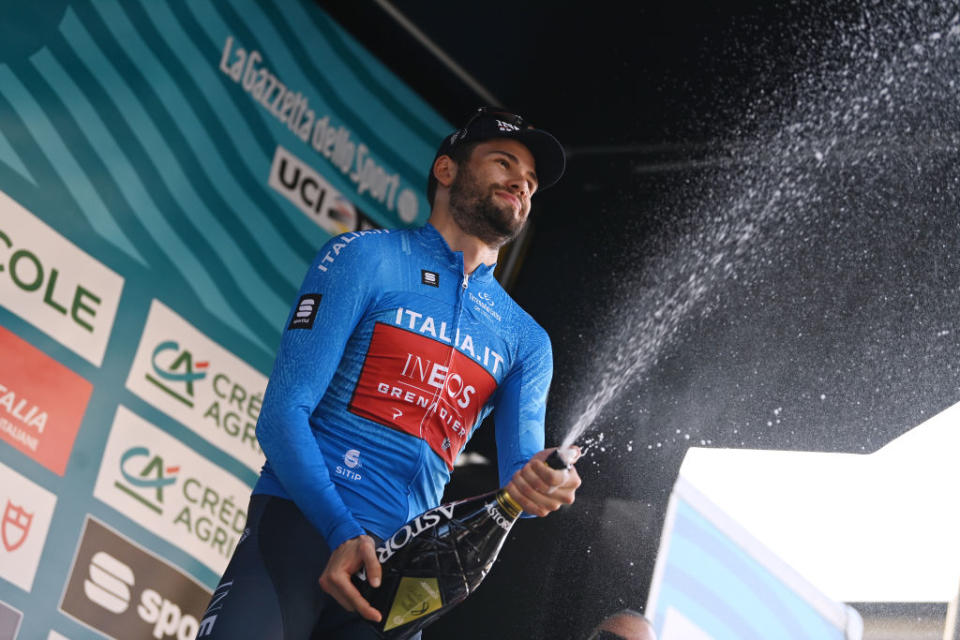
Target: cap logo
{"type": "Point", "coordinates": [506, 126]}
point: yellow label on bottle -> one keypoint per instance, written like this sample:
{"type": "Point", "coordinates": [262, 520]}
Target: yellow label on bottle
{"type": "Point", "coordinates": [415, 598]}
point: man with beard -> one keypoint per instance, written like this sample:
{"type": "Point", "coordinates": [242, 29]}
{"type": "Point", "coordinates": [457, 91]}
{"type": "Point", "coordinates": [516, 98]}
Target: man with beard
{"type": "Point", "coordinates": [400, 344]}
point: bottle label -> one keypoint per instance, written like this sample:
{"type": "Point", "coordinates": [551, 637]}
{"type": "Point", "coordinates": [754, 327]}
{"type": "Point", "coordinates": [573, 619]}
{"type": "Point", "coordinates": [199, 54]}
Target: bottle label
{"type": "Point", "coordinates": [498, 517]}
{"type": "Point", "coordinates": [415, 598]}
{"type": "Point", "coordinates": [412, 529]}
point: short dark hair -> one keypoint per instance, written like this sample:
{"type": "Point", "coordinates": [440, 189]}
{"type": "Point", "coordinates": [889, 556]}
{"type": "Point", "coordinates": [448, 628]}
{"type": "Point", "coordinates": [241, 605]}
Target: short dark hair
{"type": "Point", "coordinates": [460, 154]}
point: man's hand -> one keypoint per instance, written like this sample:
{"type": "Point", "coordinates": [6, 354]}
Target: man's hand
{"type": "Point", "coordinates": [345, 561]}
{"type": "Point", "coordinates": [540, 489]}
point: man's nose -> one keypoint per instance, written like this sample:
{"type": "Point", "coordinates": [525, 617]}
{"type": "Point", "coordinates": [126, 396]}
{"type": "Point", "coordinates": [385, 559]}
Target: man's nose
{"type": "Point", "coordinates": [518, 185]}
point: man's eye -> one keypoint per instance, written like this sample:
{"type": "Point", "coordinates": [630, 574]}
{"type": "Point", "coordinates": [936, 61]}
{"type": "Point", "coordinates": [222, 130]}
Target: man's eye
{"type": "Point", "coordinates": [503, 163]}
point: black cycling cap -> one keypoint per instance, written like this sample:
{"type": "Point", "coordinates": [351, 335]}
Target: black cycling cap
{"type": "Point", "coordinates": [489, 123]}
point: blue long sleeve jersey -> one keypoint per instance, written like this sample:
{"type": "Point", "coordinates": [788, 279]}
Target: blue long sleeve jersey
{"type": "Point", "coordinates": [390, 359]}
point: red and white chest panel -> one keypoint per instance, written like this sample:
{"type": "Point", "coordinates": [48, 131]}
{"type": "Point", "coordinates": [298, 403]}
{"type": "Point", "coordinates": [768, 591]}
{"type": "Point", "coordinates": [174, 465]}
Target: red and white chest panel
{"type": "Point", "coordinates": [423, 387]}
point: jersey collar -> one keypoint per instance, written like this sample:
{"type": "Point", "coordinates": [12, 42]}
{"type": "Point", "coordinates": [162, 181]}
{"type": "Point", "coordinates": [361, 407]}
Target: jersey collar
{"type": "Point", "coordinates": [453, 259]}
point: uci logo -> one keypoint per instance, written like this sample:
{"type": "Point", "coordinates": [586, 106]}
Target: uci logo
{"type": "Point", "coordinates": [176, 371]}
{"type": "Point", "coordinates": [146, 472]}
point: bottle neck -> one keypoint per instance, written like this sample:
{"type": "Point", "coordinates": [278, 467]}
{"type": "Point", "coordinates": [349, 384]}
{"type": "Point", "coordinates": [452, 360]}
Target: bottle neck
{"type": "Point", "coordinates": [510, 507]}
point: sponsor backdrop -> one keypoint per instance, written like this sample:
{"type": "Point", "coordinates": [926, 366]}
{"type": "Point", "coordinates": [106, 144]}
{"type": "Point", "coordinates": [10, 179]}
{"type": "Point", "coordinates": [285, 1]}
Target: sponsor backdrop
{"type": "Point", "coordinates": [714, 581]}
{"type": "Point", "coordinates": [167, 172]}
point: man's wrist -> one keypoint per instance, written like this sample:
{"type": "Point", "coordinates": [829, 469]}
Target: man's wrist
{"type": "Point", "coordinates": [343, 532]}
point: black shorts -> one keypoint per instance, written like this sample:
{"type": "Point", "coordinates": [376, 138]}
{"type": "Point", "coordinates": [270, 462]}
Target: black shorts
{"type": "Point", "coordinates": [270, 590]}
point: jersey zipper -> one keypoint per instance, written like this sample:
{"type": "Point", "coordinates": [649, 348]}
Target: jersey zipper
{"type": "Point", "coordinates": [457, 312]}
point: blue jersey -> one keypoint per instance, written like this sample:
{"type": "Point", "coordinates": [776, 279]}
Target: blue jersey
{"type": "Point", "coordinates": [389, 360]}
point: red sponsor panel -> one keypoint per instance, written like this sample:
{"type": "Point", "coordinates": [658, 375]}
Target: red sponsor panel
{"type": "Point", "coordinates": [41, 402]}
{"type": "Point", "coordinates": [423, 387]}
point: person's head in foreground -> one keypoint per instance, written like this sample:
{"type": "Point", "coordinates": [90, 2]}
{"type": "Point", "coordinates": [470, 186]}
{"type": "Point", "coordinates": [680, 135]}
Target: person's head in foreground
{"type": "Point", "coordinates": [624, 625]}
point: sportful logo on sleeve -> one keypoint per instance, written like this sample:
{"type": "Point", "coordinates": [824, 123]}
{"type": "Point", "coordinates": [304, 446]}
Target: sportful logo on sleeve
{"type": "Point", "coordinates": [306, 311]}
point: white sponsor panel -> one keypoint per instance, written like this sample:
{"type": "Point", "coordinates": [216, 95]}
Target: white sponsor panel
{"type": "Point", "coordinates": [194, 380]}
{"type": "Point", "coordinates": [54, 285]}
{"type": "Point", "coordinates": [163, 485]}
{"type": "Point", "coordinates": [302, 185]}
{"type": "Point", "coordinates": [53, 635]}
{"type": "Point", "coordinates": [25, 513]}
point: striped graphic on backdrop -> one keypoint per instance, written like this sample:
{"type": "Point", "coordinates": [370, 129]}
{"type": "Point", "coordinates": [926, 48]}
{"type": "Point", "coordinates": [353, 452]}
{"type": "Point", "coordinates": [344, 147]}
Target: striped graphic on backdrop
{"type": "Point", "coordinates": [713, 580]}
{"type": "Point", "coordinates": [189, 156]}
{"type": "Point", "coordinates": [123, 128]}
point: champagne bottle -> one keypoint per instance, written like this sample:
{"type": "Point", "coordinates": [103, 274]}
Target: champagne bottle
{"type": "Point", "coordinates": [436, 560]}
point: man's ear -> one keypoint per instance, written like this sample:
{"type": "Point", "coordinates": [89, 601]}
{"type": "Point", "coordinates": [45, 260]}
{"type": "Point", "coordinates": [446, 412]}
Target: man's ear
{"type": "Point", "coordinates": [444, 170]}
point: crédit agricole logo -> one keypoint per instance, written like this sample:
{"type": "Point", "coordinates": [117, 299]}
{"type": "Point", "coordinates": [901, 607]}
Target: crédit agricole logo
{"type": "Point", "coordinates": [163, 485]}
{"type": "Point", "coordinates": [194, 380]}
{"type": "Point", "coordinates": [145, 476]}
{"type": "Point", "coordinates": [175, 371]}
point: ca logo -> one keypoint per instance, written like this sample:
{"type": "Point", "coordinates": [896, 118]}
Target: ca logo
{"type": "Point", "coordinates": [152, 475]}
{"type": "Point", "coordinates": [176, 372]}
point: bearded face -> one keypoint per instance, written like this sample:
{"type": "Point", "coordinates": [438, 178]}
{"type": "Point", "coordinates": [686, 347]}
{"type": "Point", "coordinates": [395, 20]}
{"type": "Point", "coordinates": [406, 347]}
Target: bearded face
{"type": "Point", "coordinates": [479, 212]}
